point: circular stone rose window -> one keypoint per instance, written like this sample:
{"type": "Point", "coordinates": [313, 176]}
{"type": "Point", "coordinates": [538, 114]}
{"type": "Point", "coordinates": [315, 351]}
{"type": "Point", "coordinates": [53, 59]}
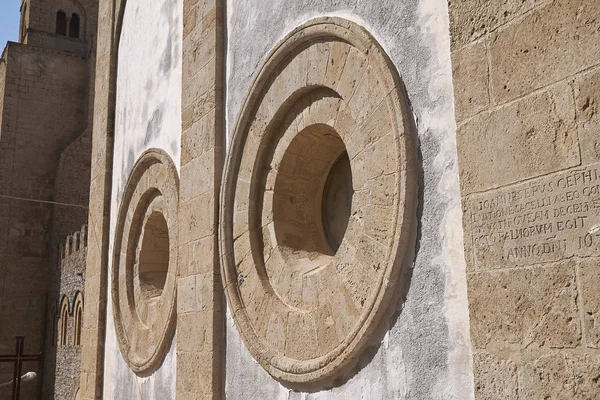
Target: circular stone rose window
{"type": "Point", "coordinates": [318, 203]}
{"type": "Point", "coordinates": [145, 261]}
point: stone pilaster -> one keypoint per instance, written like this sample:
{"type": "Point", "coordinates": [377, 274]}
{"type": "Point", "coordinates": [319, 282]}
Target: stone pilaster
{"type": "Point", "coordinates": [200, 301]}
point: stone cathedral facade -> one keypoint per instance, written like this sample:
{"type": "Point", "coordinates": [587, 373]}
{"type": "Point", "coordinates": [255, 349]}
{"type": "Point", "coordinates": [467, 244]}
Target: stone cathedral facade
{"type": "Point", "coordinates": [332, 199]}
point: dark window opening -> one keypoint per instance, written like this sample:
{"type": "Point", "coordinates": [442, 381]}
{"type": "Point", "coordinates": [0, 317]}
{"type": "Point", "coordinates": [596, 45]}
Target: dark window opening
{"type": "Point", "coordinates": [61, 23]}
{"type": "Point", "coordinates": [78, 323]}
{"type": "Point", "coordinates": [74, 26]}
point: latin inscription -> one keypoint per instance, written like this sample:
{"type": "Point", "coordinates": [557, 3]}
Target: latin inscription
{"type": "Point", "coordinates": [545, 219]}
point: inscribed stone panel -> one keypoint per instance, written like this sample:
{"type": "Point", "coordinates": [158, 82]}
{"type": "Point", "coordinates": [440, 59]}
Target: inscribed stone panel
{"type": "Point", "coordinates": [542, 220]}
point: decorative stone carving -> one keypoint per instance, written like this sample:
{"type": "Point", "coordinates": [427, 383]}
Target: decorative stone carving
{"type": "Point", "coordinates": [318, 205]}
{"type": "Point", "coordinates": [144, 268]}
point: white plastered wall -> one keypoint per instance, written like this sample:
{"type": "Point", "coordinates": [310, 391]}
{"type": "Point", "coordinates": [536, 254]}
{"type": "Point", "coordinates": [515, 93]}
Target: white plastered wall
{"type": "Point", "coordinates": [148, 115]}
{"type": "Point", "coordinates": [426, 353]}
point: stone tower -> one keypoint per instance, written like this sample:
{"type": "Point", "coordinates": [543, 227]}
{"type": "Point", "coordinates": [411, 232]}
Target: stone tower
{"type": "Point", "coordinates": [45, 148]}
{"type": "Point", "coordinates": [64, 25]}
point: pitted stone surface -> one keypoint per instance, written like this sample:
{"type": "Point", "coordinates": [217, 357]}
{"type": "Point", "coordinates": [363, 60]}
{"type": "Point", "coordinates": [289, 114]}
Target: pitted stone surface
{"type": "Point", "coordinates": [145, 317]}
{"type": "Point", "coordinates": [304, 308]}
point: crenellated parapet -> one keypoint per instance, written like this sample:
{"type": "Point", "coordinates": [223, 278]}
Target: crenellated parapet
{"type": "Point", "coordinates": [72, 244]}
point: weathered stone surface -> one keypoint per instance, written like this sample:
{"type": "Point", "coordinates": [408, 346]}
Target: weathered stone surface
{"type": "Point", "coordinates": [587, 92]}
{"type": "Point", "coordinates": [471, 80]}
{"type": "Point", "coordinates": [202, 156]}
{"type": "Point", "coordinates": [495, 379]}
{"type": "Point", "coordinates": [589, 281]}
{"type": "Point", "coordinates": [471, 19]}
{"type": "Point", "coordinates": [529, 185]}
{"type": "Point", "coordinates": [545, 219]}
{"type": "Point", "coordinates": [525, 307]}
{"type": "Point", "coordinates": [551, 43]}
{"type": "Point", "coordinates": [560, 375]}
{"type": "Point", "coordinates": [67, 345]}
{"type": "Point", "coordinates": [531, 137]}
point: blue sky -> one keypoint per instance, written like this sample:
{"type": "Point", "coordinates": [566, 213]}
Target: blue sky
{"type": "Point", "coordinates": [9, 21]}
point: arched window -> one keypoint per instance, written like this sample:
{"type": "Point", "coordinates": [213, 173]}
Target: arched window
{"type": "Point", "coordinates": [64, 321]}
{"type": "Point", "coordinates": [74, 26]}
{"type": "Point", "coordinates": [61, 23]}
{"type": "Point", "coordinates": [78, 313]}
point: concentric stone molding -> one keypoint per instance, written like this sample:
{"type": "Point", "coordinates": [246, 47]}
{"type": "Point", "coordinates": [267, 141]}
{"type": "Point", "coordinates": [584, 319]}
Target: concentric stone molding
{"type": "Point", "coordinates": [145, 325]}
{"type": "Point", "coordinates": [306, 310]}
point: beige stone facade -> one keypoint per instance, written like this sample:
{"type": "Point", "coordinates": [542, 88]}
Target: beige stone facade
{"type": "Point", "coordinates": [331, 199]}
{"type": "Point", "coordinates": [526, 111]}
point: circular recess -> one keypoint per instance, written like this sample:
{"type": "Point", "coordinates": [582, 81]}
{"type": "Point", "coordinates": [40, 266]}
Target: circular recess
{"type": "Point", "coordinates": [154, 256]}
{"type": "Point", "coordinates": [318, 203]}
{"type": "Point", "coordinates": [144, 265]}
{"type": "Point", "coordinates": [337, 201]}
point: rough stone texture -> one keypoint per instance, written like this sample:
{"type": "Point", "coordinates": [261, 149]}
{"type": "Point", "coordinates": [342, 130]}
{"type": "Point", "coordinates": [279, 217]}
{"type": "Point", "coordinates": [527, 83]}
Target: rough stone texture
{"type": "Point", "coordinates": [495, 379]}
{"type": "Point", "coordinates": [66, 372]}
{"type": "Point", "coordinates": [530, 137]}
{"type": "Point", "coordinates": [553, 42]}
{"type": "Point", "coordinates": [528, 162]}
{"type": "Point", "coordinates": [527, 307]}
{"type": "Point", "coordinates": [560, 375]}
{"type": "Point", "coordinates": [471, 19]}
{"type": "Point", "coordinates": [589, 279]}
{"type": "Point", "coordinates": [200, 341]}
{"type": "Point", "coordinates": [587, 101]}
{"type": "Point", "coordinates": [471, 79]}
{"type": "Point", "coordinates": [546, 219]}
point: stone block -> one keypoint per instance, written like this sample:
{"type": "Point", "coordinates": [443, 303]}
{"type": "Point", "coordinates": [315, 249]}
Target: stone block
{"type": "Point", "coordinates": [495, 378]}
{"type": "Point", "coordinates": [197, 177]}
{"type": "Point", "coordinates": [531, 137]}
{"type": "Point", "coordinates": [589, 281]}
{"type": "Point", "coordinates": [560, 376]}
{"type": "Point", "coordinates": [186, 295]}
{"type": "Point", "coordinates": [587, 98]}
{"type": "Point", "coordinates": [525, 307]}
{"type": "Point", "coordinates": [549, 44]}
{"type": "Point", "coordinates": [191, 332]}
{"type": "Point", "coordinates": [200, 93]}
{"type": "Point", "coordinates": [194, 223]}
{"type": "Point", "coordinates": [188, 371]}
{"type": "Point", "coordinates": [202, 255]}
{"type": "Point", "coordinates": [471, 80]}
{"type": "Point", "coordinates": [198, 138]}
{"type": "Point", "coordinates": [471, 19]}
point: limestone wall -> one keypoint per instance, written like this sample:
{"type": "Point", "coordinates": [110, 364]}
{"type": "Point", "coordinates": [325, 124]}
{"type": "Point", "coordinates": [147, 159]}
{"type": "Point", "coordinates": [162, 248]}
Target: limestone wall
{"type": "Point", "coordinates": [526, 77]}
{"type": "Point", "coordinates": [148, 115]}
